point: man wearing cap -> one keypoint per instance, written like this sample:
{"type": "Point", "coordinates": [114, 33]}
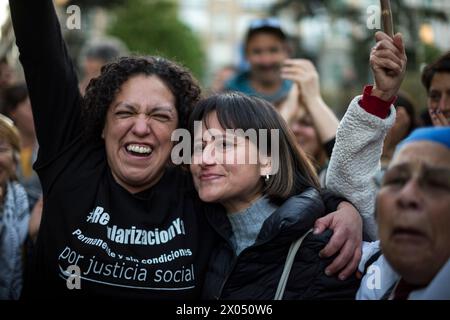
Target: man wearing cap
{"type": "Point", "coordinates": [266, 49]}
{"type": "Point", "coordinates": [291, 85]}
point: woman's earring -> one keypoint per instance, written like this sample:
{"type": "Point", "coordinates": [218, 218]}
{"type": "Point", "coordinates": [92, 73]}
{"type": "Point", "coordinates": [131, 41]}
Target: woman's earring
{"type": "Point", "coordinates": [266, 178]}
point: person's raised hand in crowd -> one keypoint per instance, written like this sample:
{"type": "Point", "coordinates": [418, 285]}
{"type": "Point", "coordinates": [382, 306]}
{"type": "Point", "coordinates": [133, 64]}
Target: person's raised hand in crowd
{"type": "Point", "coordinates": [388, 64]}
{"type": "Point", "coordinates": [303, 73]}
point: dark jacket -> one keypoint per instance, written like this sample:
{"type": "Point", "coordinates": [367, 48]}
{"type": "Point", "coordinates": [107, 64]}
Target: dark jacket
{"type": "Point", "coordinates": [255, 273]}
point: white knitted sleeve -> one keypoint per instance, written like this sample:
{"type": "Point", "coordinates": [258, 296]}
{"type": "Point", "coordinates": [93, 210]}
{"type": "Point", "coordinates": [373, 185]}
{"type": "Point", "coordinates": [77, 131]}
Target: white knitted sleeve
{"type": "Point", "coordinates": [356, 160]}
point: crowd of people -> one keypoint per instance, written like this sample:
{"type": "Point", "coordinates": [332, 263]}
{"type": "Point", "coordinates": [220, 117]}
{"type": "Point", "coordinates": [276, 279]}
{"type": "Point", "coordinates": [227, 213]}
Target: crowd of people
{"type": "Point", "coordinates": [87, 178]}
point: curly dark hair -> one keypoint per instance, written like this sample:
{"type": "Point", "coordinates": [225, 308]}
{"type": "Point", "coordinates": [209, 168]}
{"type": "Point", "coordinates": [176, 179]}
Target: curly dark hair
{"type": "Point", "coordinates": [102, 90]}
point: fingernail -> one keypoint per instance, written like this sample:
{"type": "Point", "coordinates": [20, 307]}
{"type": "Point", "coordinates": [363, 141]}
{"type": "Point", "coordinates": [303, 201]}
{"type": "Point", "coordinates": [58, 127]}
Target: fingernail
{"type": "Point", "coordinates": [342, 278]}
{"type": "Point", "coordinates": [316, 231]}
{"type": "Point", "coordinates": [327, 272]}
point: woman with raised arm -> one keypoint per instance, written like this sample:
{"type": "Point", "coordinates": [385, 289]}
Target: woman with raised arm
{"type": "Point", "coordinates": [129, 225]}
{"type": "Point", "coordinates": [359, 141]}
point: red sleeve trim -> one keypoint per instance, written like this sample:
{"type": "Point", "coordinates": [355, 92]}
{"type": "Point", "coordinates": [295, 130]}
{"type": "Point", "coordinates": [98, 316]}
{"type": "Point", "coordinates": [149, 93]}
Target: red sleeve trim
{"type": "Point", "coordinates": [375, 105]}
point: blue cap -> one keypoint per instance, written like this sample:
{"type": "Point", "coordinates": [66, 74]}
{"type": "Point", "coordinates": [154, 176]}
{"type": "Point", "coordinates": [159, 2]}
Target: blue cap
{"type": "Point", "coordinates": [265, 24]}
{"type": "Point", "coordinates": [439, 135]}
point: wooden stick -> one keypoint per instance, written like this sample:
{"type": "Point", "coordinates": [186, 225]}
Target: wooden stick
{"type": "Point", "coordinates": [386, 16]}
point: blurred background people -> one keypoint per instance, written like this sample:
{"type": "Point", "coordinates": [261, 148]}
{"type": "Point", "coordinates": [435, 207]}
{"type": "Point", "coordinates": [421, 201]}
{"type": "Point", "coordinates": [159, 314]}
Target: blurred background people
{"type": "Point", "coordinates": [95, 55]}
{"type": "Point", "coordinates": [436, 79]}
{"type": "Point", "coordinates": [6, 74]}
{"type": "Point", "coordinates": [266, 49]}
{"type": "Point", "coordinates": [17, 106]}
{"type": "Point", "coordinates": [14, 213]}
{"type": "Point", "coordinates": [7, 78]}
{"type": "Point", "coordinates": [292, 85]}
{"type": "Point", "coordinates": [221, 77]}
{"type": "Point", "coordinates": [313, 123]}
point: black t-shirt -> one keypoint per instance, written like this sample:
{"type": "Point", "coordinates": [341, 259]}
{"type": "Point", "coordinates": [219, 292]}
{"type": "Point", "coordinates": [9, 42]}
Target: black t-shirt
{"type": "Point", "coordinates": [151, 245]}
{"type": "Point", "coordinates": [147, 245]}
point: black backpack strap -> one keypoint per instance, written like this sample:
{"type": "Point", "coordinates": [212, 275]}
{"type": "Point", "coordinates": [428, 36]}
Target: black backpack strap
{"type": "Point", "coordinates": [371, 260]}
